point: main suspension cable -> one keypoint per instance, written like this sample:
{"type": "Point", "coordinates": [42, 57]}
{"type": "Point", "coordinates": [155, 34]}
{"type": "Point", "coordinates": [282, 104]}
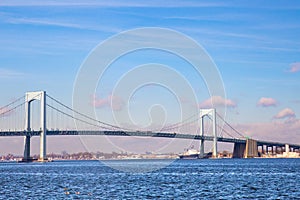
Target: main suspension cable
{"type": "Point", "coordinates": [86, 116]}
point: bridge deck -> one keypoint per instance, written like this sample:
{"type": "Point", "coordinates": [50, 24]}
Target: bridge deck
{"type": "Point", "coordinates": [142, 134]}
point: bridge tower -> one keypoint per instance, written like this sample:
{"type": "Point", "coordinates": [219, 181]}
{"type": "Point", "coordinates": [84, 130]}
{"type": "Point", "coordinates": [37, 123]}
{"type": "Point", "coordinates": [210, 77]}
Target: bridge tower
{"type": "Point", "coordinates": [212, 114]}
{"type": "Point", "coordinates": [30, 97]}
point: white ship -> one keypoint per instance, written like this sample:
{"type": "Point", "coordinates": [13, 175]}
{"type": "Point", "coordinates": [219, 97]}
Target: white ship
{"type": "Point", "coordinates": [193, 154]}
{"type": "Point", "coordinates": [190, 154]}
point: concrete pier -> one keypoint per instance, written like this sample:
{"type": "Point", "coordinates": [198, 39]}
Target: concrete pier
{"type": "Point", "coordinates": [251, 149]}
{"type": "Point", "coordinates": [238, 150]}
{"type": "Point", "coordinates": [26, 157]}
{"type": "Point", "coordinates": [248, 150]}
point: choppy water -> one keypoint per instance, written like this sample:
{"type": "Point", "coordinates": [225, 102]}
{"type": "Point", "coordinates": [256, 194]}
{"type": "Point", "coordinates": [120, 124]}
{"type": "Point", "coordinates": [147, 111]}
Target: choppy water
{"type": "Point", "coordinates": [183, 179]}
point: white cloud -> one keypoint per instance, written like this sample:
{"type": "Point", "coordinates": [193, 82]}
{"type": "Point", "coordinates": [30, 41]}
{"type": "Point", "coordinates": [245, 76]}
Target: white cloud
{"type": "Point", "coordinates": [7, 73]}
{"type": "Point", "coordinates": [216, 101]}
{"type": "Point", "coordinates": [61, 23]}
{"type": "Point", "coordinates": [114, 102]}
{"type": "Point", "coordinates": [42, 22]}
{"type": "Point", "coordinates": [294, 67]}
{"type": "Point", "coordinates": [267, 102]}
{"type": "Point", "coordinates": [285, 113]}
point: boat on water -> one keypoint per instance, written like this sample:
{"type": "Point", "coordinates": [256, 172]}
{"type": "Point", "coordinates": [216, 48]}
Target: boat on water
{"type": "Point", "coordinates": [190, 154]}
{"type": "Point", "coordinates": [193, 154]}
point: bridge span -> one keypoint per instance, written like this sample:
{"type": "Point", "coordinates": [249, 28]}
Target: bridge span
{"type": "Point", "coordinates": [240, 144]}
{"type": "Point", "coordinates": [243, 146]}
{"type": "Point", "coordinates": [123, 133]}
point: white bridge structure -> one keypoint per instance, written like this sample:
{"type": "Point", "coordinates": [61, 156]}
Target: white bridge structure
{"type": "Point", "coordinates": [13, 115]}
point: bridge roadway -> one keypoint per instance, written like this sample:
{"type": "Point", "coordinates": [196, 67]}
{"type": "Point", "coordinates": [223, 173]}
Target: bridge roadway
{"type": "Point", "coordinates": [143, 134]}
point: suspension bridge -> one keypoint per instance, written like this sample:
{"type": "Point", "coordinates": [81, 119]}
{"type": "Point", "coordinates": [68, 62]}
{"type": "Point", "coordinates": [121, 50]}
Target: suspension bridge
{"type": "Point", "coordinates": [56, 118]}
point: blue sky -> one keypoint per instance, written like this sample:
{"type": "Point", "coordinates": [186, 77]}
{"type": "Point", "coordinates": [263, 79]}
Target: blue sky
{"type": "Point", "coordinates": [255, 45]}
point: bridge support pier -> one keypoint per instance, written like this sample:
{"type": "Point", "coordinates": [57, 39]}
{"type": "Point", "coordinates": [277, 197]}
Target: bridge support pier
{"type": "Point", "coordinates": [238, 150]}
{"type": "Point", "coordinates": [251, 149]}
{"type": "Point", "coordinates": [248, 150]}
{"type": "Point", "coordinates": [27, 157]}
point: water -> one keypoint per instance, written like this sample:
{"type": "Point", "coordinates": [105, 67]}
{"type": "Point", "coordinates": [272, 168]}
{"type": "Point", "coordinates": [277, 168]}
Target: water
{"type": "Point", "coordinates": [183, 179]}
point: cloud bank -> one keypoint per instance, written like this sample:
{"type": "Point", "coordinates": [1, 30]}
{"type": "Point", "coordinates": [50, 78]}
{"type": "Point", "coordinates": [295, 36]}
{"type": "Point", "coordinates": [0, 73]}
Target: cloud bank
{"type": "Point", "coordinates": [280, 131]}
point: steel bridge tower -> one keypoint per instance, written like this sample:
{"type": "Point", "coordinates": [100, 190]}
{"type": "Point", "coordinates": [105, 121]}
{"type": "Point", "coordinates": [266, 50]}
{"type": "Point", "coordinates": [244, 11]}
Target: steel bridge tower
{"type": "Point", "coordinates": [211, 113]}
{"type": "Point", "coordinates": [29, 98]}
